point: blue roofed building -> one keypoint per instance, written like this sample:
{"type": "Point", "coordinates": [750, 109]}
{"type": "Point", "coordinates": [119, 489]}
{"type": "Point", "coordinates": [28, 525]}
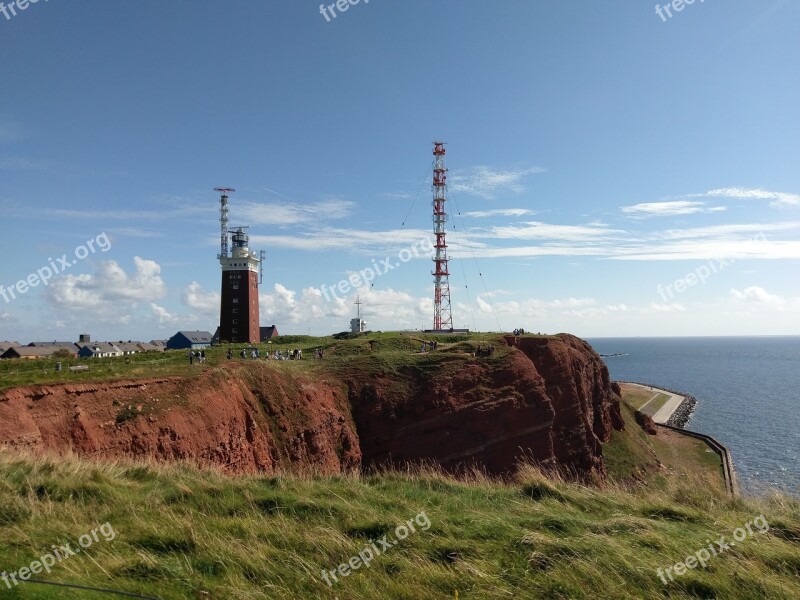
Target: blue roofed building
{"type": "Point", "coordinates": [189, 340]}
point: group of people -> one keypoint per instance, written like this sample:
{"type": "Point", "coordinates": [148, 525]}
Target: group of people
{"type": "Point", "coordinates": [295, 354]}
{"type": "Point", "coordinates": [428, 347]}
{"type": "Point", "coordinates": [197, 355]}
{"type": "Point", "coordinates": [485, 352]}
{"type": "Point", "coordinates": [519, 331]}
{"type": "Point", "coordinates": [255, 354]}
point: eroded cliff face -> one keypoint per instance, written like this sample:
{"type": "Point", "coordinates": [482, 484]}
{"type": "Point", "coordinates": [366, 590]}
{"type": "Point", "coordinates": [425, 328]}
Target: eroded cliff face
{"type": "Point", "coordinates": [543, 399]}
{"type": "Point", "coordinates": [548, 400]}
{"type": "Point", "coordinates": [244, 420]}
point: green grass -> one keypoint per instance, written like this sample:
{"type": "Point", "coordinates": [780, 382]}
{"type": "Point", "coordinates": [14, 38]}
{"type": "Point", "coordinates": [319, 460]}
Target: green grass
{"type": "Point", "coordinates": [633, 455]}
{"type": "Point", "coordinates": [656, 404]}
{"type": "Point", "coordinates": [393, 349]}
{"type": "Point", "coordinates": [181, 532]}
{"type": "Point", "coordinates": [636, 396]}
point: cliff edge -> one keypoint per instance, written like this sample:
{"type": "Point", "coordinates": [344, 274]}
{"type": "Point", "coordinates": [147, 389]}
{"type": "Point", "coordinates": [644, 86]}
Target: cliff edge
{"type": "Point", "coordinates": [543, 399]}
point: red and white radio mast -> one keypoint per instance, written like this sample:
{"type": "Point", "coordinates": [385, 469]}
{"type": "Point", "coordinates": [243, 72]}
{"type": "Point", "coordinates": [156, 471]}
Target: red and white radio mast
{"type": "Point", "coordinates": [442, 311]}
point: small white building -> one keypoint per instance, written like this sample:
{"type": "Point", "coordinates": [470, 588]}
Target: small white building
{"type": "Point", "coordinates": [99, 350]}
{"type": "Point", "coordinates": [357, 326]}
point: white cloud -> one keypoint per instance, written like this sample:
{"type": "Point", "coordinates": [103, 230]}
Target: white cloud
{"type": "Point", "coordinates": [164, 317]}
{"type": "Point", "coordinates": [533, 230]}
{"type": "Point", "coordinates": [499, 212]}
{"type": "Point", "coordinates": [667, 308]}
{"type": "Point", "coordinates": [110, 294]}
{"type": "Point", "coordinates": [354, 240]}
{"type": "Point", "coordinates": [732, 231]}
{"type": "Point", "coordinates": [291, 213]}
{"type": "Point", "coordinates": [778, 199]}
{"type": "Point", "coordinates": [398, 195]}
{"type": "Point", "coordinates": [533, 307]}
{"type": "Point", "coordinates": [206, 303]}
{"type": "Point", "coordinates": [486, 182]}
{"type": "Point", "coordinates": [748, 240]}
{"type": "Point", "coordinates": [136, 232]}
{"type": "Point", "coordinates": [283, 306]}
{"type": "Point", "coordinates": [757, 294]}
{"type": "Point", "coordinates": [187, 211]}
{"type": "Point", "coordinates": [617, 308]}
{"type": "Point", "coordinates": [389, 308]}
{"type": "Point", "coordinates": [311, 308]}
{"type": "Point", "coordinates": [669, 209]}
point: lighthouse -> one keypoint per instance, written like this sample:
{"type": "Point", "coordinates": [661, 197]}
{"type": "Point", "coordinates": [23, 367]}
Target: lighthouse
{"type": "Point", "coordinates": [241, 268]}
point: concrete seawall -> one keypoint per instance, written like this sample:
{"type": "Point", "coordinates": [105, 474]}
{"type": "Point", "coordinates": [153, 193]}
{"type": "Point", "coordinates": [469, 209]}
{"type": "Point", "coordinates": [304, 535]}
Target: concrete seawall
{"type": "Point", "coordinates": [677, 411]}
{"type": "Point", "coordinates": [675, 414]}
{"type": "Point", "coordinates": [724, 454]}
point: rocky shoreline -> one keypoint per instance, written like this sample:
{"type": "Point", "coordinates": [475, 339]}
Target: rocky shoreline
{"type": "Point", "coordinates": [683, 414]}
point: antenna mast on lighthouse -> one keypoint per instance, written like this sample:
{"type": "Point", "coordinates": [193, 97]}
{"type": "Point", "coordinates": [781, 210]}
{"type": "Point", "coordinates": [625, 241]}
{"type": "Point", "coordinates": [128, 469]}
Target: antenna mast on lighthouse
{"type": "Point", "coordinates": [442, 311]}
{"type": "Point", "coordinates": [223, 220]}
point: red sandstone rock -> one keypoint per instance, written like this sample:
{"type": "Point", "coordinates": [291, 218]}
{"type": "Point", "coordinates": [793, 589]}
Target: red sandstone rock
{"type": "Point", "coordinates": [550, 401]}
{"type": "Point", "coordinates": [268, 424]}
{"type": "Point", "coordinates": [547, 399]}
{"type": "Point", "coordinates": [646, 423]}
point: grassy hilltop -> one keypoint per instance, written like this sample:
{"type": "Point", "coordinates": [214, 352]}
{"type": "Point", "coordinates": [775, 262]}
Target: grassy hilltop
{"type": "Point", "coordinates": [185, 533]}
{"type": "Point", "coordinates": [391, 349]}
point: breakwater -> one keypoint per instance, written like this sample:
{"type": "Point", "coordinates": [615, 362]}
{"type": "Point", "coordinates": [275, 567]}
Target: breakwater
{"type": "Point", "coordinates": [681, 416]}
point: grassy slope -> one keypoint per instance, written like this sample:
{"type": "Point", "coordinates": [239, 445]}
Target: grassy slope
{"type": "Point", "coordinates": [634, 455]}
{"type": "Point", "coordinates": [181, 532]}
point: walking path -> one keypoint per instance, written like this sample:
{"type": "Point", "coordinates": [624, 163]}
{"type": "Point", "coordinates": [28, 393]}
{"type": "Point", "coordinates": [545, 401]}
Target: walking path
{"type": "Point", "coordinates": [670, 406]}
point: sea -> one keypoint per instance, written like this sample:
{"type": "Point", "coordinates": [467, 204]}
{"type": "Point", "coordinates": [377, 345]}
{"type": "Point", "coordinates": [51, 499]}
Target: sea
{"type": "Point", "coordinates": [748, 393]}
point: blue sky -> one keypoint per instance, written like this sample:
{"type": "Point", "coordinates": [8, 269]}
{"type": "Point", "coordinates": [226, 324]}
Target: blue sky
{"type": "Point", "coordinates": [617, 174]}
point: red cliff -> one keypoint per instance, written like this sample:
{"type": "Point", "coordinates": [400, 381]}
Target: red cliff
{"type": "Point", "coordinates": [244, 420]}
{"type": "Point", "coordinates": [548, 400]}
{"type": "Point", "coordinates": [543, 399]}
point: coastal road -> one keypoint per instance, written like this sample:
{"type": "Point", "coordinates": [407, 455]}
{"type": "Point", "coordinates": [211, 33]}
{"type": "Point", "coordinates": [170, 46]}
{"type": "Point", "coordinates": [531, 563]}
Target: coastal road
{"type": "Point", "coordinates": [670, 406]}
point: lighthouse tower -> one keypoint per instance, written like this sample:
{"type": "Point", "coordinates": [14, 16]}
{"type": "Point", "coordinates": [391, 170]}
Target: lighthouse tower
{"type": "Point", "coordinates": [239, 317]}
